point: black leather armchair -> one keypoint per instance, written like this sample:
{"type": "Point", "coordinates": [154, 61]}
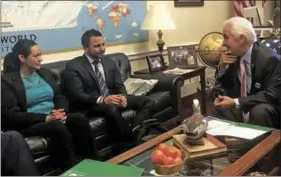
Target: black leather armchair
{"type": "Point", "coordinates": [166, 95]}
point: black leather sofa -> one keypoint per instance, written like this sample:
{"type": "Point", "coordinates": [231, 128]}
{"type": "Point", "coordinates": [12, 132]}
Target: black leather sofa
{"type": "Point", "coordinates": [166, 95]}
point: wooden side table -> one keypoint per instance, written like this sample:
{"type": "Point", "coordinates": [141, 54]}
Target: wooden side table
{"type": "Point", "coordinates": [199, 71]}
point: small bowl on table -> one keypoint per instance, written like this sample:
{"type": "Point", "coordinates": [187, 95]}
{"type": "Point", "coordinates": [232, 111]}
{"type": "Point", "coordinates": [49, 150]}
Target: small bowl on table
{"type": "Point", "coordinates": [170, 169]}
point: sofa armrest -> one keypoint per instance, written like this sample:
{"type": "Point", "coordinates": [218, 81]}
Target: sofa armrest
{"type": "Point", "coordinates": [165, 83]}
{"type": "Point", "coordinates": [170, 83]}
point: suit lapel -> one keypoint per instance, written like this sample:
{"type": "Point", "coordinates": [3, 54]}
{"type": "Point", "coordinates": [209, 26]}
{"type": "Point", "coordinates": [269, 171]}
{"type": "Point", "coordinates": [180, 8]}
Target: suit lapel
{"type": "Point", "coordinates": [237, 68]}
{"type": "Point", "coordinates": [86, 64]}
{"type": "Point", "coordinates": [254, 56]}
{"type": "Point", "coordinates": [18, 86]}
{"type": "Point", "coordinates": [106, 68]}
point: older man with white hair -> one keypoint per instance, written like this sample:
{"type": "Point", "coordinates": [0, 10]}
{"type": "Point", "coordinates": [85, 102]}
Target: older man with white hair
{"type": "Point", "coordinates": [250, 74]}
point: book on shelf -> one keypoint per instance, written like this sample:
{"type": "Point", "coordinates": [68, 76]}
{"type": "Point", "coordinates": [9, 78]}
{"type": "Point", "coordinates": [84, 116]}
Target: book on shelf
{"type": "Point", "coordinates": [211, 146]}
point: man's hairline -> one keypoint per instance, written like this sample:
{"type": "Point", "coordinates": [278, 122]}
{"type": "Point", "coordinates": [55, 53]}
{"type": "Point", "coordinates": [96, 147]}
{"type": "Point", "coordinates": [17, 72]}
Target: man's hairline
{"type": "Point", "coordinates": [90, 39]}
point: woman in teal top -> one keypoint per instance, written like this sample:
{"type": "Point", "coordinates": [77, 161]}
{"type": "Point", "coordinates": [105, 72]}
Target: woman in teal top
{"type": "Point", "coordinates": [39, 96]}
{"type": "Point", "coordinates": [33, 105]}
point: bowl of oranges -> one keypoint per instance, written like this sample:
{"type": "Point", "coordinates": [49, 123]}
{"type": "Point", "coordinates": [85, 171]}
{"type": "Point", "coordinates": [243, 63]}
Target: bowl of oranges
{"type": "Point", "coordinates": [167, 159]}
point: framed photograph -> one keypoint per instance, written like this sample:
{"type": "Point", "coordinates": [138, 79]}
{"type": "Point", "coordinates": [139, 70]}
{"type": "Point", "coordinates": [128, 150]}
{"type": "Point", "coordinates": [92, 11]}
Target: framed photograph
{"type": "Point", "coordinates": [258, 32]}
{"type": "Point", "coordinates": [263, 32]}
{"type": "Point", "coordinates": [186, 3]}
{"type": "Point", "coordinates": [266, 33]}
{"type": "Point", "coordinates": [182, 57]}
{"type": "Point", "coordinates": [155, 62]}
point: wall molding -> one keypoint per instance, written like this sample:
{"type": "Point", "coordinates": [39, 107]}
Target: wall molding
{"type": "Point", "coordinates": [141, 56]}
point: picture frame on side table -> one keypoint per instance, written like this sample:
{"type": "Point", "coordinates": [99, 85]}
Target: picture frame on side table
{"type": "Point", "coordinates": [263, 32]}
{"type": "Point", "coordinates": [188, 3]}
{"type": "Point", "coordinates": [155, 62]}
{"type": "Point", "coordinates": [183, 57]}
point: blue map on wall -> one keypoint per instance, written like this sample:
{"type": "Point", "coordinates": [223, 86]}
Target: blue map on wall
{"type": "Point", "coordinates": [57, 26]}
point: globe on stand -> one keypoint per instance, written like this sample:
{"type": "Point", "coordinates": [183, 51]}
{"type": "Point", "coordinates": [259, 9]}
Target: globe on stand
{"type": "Point", "coordinates": [209, 52]}
{"type": "Point", "coordinates": [210, 48]}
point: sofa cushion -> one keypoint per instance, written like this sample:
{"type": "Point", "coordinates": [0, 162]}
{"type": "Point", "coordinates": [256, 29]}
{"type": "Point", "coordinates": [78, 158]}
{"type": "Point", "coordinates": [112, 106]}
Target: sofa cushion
{"type": "Point", "coordinates": [56, 68]}
{"type": "Point", "coordinates": [97, 124]}
{"type": "Point", "coordinates": [161, 100]}
{"type": "Point", "coordinates": [38, 145]}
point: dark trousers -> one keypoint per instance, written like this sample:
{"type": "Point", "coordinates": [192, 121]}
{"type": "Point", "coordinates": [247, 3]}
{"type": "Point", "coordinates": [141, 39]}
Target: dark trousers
{"type": "Point", "coordinates": [261, 114]}
{"type": "Point", "coordinates": [118, 127]}
{"type": "Point", "coordinates": [66, 140]}
{"type": "Point", "coordinates": [16, 156]}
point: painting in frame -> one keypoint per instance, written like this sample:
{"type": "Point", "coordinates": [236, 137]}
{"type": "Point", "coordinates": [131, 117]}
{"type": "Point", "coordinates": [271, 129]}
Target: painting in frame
{"type": "Point", "coordinates": [183, 57]}
{"type": "Point", "coordinates": [187, 3]}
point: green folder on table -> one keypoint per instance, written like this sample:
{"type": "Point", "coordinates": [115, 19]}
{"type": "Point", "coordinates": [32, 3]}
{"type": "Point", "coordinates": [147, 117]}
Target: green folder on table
{"type": "Point", "coordinates": [95, 168]}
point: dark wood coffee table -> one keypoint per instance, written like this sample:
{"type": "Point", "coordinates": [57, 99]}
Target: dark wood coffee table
{"type": "Point", "coordinates": [219, 166]}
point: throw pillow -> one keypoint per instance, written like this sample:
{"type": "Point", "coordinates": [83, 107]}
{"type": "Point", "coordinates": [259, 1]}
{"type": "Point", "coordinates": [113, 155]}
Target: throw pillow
{"type": "Point", "coordinates": [139, 87]}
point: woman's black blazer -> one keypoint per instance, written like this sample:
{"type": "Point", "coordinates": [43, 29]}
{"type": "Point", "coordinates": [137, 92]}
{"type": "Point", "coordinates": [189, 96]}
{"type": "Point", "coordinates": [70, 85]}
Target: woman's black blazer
{"type": "Point", "coordinates": [13, 101]}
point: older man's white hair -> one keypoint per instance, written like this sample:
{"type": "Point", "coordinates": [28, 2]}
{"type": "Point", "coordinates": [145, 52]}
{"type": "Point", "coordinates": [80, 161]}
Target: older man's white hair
{"type": "Point", "coordinates": [241, 26]}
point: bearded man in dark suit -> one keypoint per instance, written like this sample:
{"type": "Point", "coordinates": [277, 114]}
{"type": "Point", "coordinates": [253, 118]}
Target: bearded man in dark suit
{"type": "Point", "coordinates": [250, 74]}
{"type": "Point", "coordinates": [93, 83]}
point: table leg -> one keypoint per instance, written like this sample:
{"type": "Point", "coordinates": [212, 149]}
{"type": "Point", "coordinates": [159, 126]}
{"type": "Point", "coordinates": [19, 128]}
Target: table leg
{"type": "Point", "coordinates": [203, 91]}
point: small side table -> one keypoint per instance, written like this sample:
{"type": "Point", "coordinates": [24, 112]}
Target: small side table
{"type": "Point", "coordinates": [199, 71]}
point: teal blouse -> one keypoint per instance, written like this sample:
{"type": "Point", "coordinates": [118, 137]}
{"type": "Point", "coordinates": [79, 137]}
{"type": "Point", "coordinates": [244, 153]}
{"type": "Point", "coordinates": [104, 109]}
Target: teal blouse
{"type": "Point", "coordinates": [39, 94]}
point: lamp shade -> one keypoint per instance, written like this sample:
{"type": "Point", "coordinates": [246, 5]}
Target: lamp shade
{"type": "Point", "coordinates": [158, 18]}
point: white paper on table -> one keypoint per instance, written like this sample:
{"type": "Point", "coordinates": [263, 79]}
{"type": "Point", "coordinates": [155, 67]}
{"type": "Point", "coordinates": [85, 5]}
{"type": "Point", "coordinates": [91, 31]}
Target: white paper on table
{"type": "Point", "coordinates": [177, 71]}
{"type": "Point", "coordinates": [217, 124]}
{"type": "Point", "coordinates": [218, 127]}
{"type": "Point", "coordinates": [236, 131]}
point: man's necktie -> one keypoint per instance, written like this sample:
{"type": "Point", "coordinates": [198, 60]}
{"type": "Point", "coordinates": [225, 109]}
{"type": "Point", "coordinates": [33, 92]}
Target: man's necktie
{"type": "Point", "coordinates": [243, 79]}
{"type": "Point", "coordinates": [102, 83]}
{"type": "Point", "coordinates": [244, 87]}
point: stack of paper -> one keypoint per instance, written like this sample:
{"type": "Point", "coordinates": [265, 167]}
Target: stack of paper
{"type": "Point", "coordinates": [177, 71]}
{"type": "Point", "coordinates": [218, 127]}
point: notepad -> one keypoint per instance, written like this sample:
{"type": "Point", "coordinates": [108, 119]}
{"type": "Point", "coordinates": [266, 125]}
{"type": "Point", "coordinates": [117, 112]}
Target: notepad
{"type": "Point", "coordinates": [95, 168]}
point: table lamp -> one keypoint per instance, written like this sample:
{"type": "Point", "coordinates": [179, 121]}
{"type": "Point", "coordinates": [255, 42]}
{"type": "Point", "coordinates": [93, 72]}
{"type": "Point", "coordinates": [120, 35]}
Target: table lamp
{"type": "Point", "coordinates": [158, 18]}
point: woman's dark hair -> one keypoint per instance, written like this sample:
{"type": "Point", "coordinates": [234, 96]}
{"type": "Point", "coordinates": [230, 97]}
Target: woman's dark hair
{"type": "Point", "coordinates": [11, 60]}
{"type": "Point", "coordinates": [85, 39]}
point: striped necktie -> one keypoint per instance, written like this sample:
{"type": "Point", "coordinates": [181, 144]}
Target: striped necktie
{"type": "Point", "coordinates": [101, 81]}
{"type": "Point", "coordinates": [243, 79]}
{"type": "Point", "coordinates": [244, 86]}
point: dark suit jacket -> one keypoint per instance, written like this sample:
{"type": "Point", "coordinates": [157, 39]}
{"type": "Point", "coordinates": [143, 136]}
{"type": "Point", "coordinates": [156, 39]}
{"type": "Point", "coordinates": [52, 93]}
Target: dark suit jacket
{"type": "Point", "coordinates": [266, 79]}
{"type": "Point", "coordinates": [80, 84]}
{"type": "Point", "coordinates": [13, 101]}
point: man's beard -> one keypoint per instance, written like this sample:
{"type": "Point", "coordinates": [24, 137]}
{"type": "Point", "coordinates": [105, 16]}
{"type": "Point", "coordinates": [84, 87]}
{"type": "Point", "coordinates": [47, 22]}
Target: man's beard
{"type": "Point", "coordinates": [96, 55]}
